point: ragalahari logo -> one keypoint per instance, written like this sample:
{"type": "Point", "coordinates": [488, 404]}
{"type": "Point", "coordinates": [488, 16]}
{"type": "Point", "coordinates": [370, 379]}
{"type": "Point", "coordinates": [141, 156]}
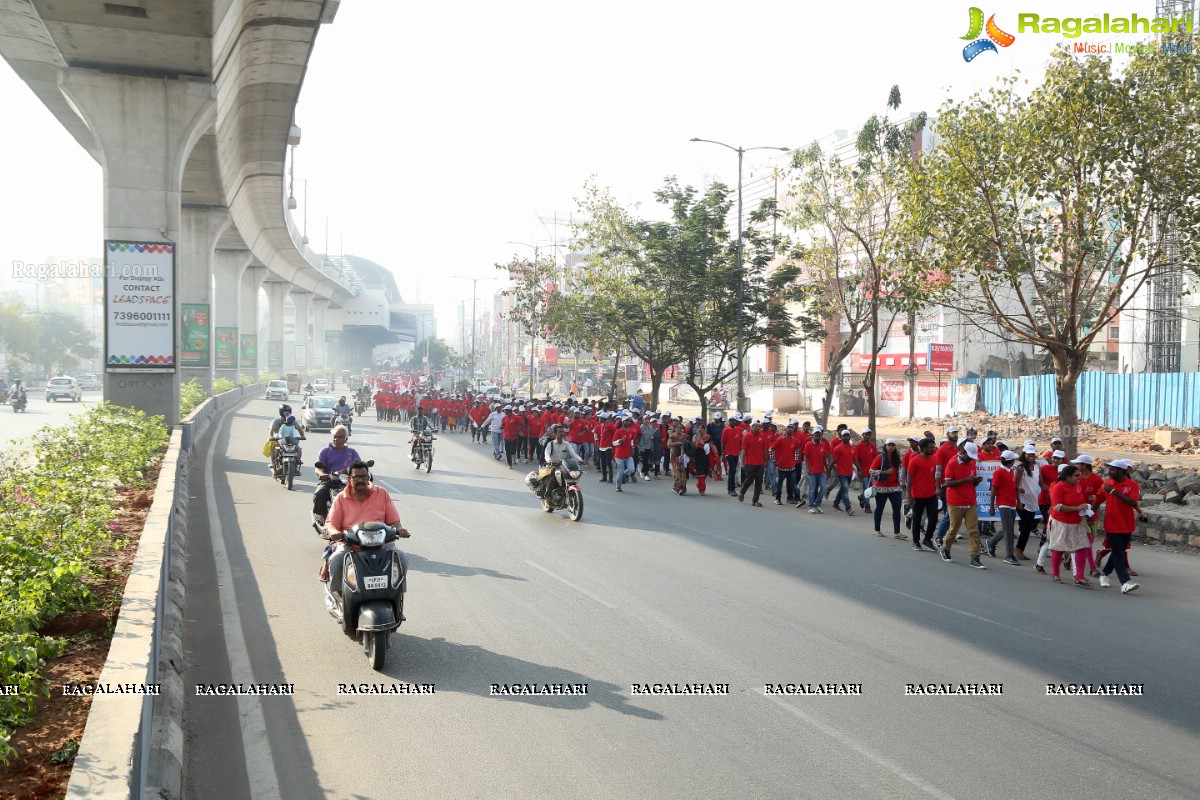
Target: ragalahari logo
{"type": "Point", "coordinates": [995, 36]}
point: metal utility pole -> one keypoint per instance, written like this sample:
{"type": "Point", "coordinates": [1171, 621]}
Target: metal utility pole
{"type": "Point", "coordinates": [742, 403]}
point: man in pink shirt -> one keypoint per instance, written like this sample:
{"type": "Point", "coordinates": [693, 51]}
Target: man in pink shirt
{"type": "Point", "coordinates": [360, 501]}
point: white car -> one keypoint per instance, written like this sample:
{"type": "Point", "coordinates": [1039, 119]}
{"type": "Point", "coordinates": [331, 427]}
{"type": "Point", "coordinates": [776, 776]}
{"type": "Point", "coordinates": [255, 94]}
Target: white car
{"type": "Point", "coordinates": [277, 390]}
{"type": "Point", "coordinates": [321, 386]}
{"type": "Point", "coordinates": [89, 383]}
{"type": "Point", "coordinates": [62, 386]}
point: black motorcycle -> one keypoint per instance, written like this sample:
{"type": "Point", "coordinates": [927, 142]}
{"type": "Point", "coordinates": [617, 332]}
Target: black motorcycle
{"type": "Point", "coordinates": [561, 490]}
{"type": "Point", "coordinates": [423, 451]}
{"type": "Point", "coordinates": [19, 403]}
{"type": "Point", "coordinates": [371, 603]}
{"type": "Point", "coordinates": [347, 420]}
{"type": "Point", "coordinates": [360, 406]}
{"type": "Point", "coordinates": [287, 462]}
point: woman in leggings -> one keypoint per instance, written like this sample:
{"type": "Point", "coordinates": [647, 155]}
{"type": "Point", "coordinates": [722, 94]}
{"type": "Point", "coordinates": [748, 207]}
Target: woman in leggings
{"type": "Point", "coordinates": [1029, 487]}
{"type": "Point", "coordinates": [885, 477]}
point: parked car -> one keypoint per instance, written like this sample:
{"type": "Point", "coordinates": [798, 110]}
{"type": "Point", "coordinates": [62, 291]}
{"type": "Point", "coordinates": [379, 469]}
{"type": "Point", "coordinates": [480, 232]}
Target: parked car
{"type": "Point", "coordinates": [317, 412]}
{"type": "Point", "coordinates": [277, 390]}
{"type": "Point", "coordinates": [89, 382]}
{"type": "Point", "coordinates": [63, 386]}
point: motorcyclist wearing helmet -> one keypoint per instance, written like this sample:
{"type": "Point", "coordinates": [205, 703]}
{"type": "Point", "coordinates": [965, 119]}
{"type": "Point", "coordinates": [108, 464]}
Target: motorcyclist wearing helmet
{"type": "Point", "coordinates": [342, 409]}
{"type": "Point", "coordinates": [419, 424]}
{"type": "Point", "coordinates": [285, 411]}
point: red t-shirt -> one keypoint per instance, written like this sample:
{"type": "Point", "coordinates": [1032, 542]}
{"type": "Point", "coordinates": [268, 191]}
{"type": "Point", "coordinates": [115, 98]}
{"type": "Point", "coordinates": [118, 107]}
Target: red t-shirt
{"type": "Point", "coordinates": [785, 452]}
{"type": "Point", "coordinates": [814, 453]}
{"type": "Point", "coordinates": [921, 477]}
{"type": "Point", "coordinates": [865, 453]}
{"type": "Point", "coordinates": [578, 431]}
{"type": "Point", "coordinates": [606, 434]}
{"type": "Point", "coordinates": [892, 479]}
{"type": "Point", "coordinates": [947, 451]}
{"type": "Point", "coordinates": [1004, 484]}
{"type": "Point", "coordinates": [1050, 476]}
{"type": "Point", "coordinates": [535, 427]}
{"type": "Point", "coordinates": [754, 448]}
{"type": "Point", "coordinates": [843, 459]}
{"type": "Point", "coordinates": [1118, 517]}
{"type": "Point", "coordinates": [963, 494]}
{"type": "Point", "coordinates": [731, 440]}
{"type": "Point", "coordinates": [513, 425]}
{"type": "Point", "coordinates": [984, 455]}
{"type": "Point", "coordinates": [1089, 485]}
{"type": "Point", "coordinates": [622, 441]}
{"type": "Point", "coordinates": [1065, 494]}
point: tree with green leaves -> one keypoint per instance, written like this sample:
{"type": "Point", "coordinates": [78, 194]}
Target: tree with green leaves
{"type": "Point", "coordinates": [845, 207]}
{"type": "Point", "coordinates": [440, 355]}
{"type": "Point", "coordinates": [531, 285]}
{"type": "Point", "coordinates": [55, 341]}
{"type": "Point", "coordinates": [1052, 211]}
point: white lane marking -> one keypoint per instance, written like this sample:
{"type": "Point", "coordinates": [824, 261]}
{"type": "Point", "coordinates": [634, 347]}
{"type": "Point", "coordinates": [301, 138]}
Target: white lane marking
{"type": "Point", "coordinates": [849, 741]}
{"type": "Point", "coordinates": [719, 536]}
{"type": "Point", "coordinates": [260, 769]}
{"type": "Point", "coordinates": [563, 580]}
{"type": "Point", "coordinates": [452, 522]}
{"type": "Point", "coordinates": [964, 613]}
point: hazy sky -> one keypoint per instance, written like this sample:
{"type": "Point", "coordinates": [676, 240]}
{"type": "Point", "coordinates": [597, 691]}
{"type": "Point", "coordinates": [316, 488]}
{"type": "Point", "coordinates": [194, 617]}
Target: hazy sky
{"type": "Point", "coordinates": [433, 133]}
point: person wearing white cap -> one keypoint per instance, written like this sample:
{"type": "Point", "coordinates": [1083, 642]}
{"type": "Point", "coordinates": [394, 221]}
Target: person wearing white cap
{"type": "Point", "coordinates": [865, 453]}
{"type": "Point", "coordinates": [1003, 499]}
{"type": "Point", "coordinates": [495, 426]}
{"type": "Point", "coordinates": [1122, 495]}
{"type": "Point", "coordinates": [818, 456]}
{"type": "Point", "coordinates": [961, 477]}
{"type": "Point", "coordinates": [1089, 485]}
{"type": "Point", "coordinates": [1029, 489]}
{"type": "Point", "coordinates": [946, 453]}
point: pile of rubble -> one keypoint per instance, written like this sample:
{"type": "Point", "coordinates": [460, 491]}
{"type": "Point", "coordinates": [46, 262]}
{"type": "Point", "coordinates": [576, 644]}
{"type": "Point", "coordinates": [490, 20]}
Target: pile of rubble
{"type": "Point", "coordinates": [1159, 485]}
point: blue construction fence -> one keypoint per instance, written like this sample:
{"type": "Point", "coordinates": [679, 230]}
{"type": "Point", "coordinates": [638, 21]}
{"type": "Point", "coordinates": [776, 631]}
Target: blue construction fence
{"type": "Point", "coordinates": [1118, 401]}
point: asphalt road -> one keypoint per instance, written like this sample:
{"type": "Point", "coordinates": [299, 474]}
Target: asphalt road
{"type": "Point", "coordinates": [653, 588]}
{"type": "Point", "coordinates": [16, 428]}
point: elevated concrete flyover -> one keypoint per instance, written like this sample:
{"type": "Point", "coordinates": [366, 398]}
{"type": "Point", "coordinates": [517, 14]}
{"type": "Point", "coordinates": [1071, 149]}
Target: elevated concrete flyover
{"type": "Point", "coordinates": [188, 107]}
{"type": "Point", "coordinates": [376, 315]}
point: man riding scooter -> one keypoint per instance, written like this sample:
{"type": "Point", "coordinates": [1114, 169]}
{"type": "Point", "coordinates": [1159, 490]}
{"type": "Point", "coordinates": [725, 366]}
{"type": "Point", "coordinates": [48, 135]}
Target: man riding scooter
{"type": "Point", "coordinates": [556, 450]}
{"type": "Point", "coordinates": [361, 501]}
{"type": "Point", "coordinates": [334, 459]}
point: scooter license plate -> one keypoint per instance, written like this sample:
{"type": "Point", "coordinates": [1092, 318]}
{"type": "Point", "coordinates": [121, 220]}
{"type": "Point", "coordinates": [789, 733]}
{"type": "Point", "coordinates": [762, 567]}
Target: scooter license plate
{"type": "Point", "coordinates": [375, 582]}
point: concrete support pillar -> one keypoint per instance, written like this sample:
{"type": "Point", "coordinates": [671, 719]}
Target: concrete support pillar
{"type": "Point", "coordinates": [201, 228]}
{"type": "Point", "coordinates": [144, 128]}
{"type": "Point", "coordinates": [276, 293]}
{"type": "Point", "coordinates": [323, 359]}
{"type": "Point", "coordinates": [248, 288]}
{"type": "Point", "coordinates": [227, 273]}
{"type": "Point", "coordinates": [301, 358]}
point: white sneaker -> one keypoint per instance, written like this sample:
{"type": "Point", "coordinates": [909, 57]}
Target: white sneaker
{"type": "Point", "coordinates": [812, 511]}
{"type": "Point", "coordinates": [1104, 582]}
{"type": "Point", "coordinates": [1128, 587]}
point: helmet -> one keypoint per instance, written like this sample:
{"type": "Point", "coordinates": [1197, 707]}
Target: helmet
{"type": "Point", "coordinates": [342, 399]}
{"type": "Point", "coordinates": [284, 410]}
{"type": "Point", "coordinates": [290, 420]}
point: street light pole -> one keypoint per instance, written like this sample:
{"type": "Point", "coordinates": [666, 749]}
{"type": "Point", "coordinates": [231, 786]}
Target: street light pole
{"type": "Point", "coordinates": [532, 333]}
{"type": "Point", "coordinates": [742, 404]}
{"type": "Point", "coordinates": [474, 319]}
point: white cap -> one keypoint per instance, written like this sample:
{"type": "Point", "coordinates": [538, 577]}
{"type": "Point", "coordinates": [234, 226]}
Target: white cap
{"type": "Point", "coordinates": [695, 419]}
{"type": "Point", "coordinates": [767, 415]}
{"type": "Point", "coordinates": [793, 421]}
{"type": "Point", "coordinates": [1061, 467]}
{"type": "Point", "coordinates": [1029, 449]}
{"type": "Point", "coordinates": [1121, 463]}
{"type": "Point", "coordinates": [1054, 439]}
{"type": "Point", "coordinates": [1083, 459]}
{"type": "Point", "coordinates": [717, 415]}
{"type": "Point", "coordinates": [971, 449]}
{"type": "Point", "coordinates": [914, 438]}
{"type": "Point", "coordinates": [888, 441]}
{"type": "Point", "coordinates": [844, 433]}
{"type": "Point", "coordinates": [1030, 443]}
{"type": "Point", "coordinates": [951, 429]}
{"type": "Point", "coordinates": [867, 430]}
{"type": "Point", "coordinates": [736, 415]}
{"type": "Point", "coordinates": [1008, 455]}
{"type": "Point", "coordinates": [818, 429]}
{"type": "Point", "coordinates": [1058, 454]}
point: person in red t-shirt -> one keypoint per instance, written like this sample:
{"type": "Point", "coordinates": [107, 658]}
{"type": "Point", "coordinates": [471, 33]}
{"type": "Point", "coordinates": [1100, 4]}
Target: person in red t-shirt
{"type": "Point", "coordinates": [784, 449]}
{"type": "Point", "coordinates": [884, 472]}
{"type": "Point", "coordinates": [1003, 499]}
{"type": "Point", "coordinates": [960, 478]}
{"type": "Point", "coordinates": [921, 491]}
{"type": "Point", "coordinates": [843, 464]}
{"type": "Point", "coordinates": [731, 449]}
{"type": "Point", "coordinates": [817, 458]}
{"type": "Point", "coordinates": [1067, 533]}
{"type": "Point", "coordinates": [1121, 495]}
{"type": "Point", "coordinates": [514, 429]}
{"type": "Point", "coordinates": [623, 441]}
{"type": "Point", "coordinates": [1089, 485]}
{"type": "Point", "coordinates": [608, 429]}
{"type": "Point", "coordinates": [754, 460]}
